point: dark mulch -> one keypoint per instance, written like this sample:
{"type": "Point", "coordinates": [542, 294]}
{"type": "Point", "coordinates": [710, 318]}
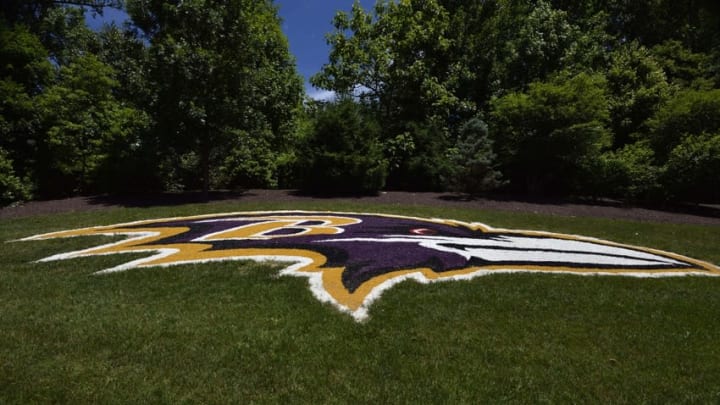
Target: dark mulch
{"type": "Point", "coordinates": [688, 214]}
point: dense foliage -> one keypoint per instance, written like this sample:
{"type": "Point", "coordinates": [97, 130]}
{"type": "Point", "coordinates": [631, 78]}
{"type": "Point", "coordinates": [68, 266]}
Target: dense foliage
{"type": "Point", "coordinates": [615, 99]}
{"type": "Point", "coordinates": [608, 99]}
{"type": "Point", "coordinates": [342, 152]}
{"type": "Point", "coordinates": [189, 95]}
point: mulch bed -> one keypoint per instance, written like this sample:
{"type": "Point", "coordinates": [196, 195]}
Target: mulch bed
{"type": "Point", "coordinates": [686, 214]}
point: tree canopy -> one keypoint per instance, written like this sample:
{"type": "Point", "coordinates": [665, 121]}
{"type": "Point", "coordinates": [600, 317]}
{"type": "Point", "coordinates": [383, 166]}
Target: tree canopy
{"type": "Point", "coordinates": [615, 99]}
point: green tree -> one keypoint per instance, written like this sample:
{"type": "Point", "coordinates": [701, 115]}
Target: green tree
{"type": "Point", "coordinates": [424, 162]}
{"type": "Point", "coordinates": [397, 57]}
{"type": "Point", "coordinates": [24, 73]}
{"type": "Point", "coordinates": [684, 67]}
{"type": "Point", "coordinates": [637, 88]}
{"type": "Point", "coordinates": [692, 169]}
{"type": "Point", "coordinates": [540, 41]}
{"type": "Point", "coordinates": [630, 173]}
{"type": "Point", "coordinates": [473, 162]}
{"type": "Point", "coordinates": [12, 188]}
{"type": "Point", "coordinates": [87, 128]}
{"type": "Point", "coordinates": [689, 112]}
{"type": "Point", "coordinates": [222, 71]}
{"type": "Point", "coordinates": [65, 35]}
{"type": "Point", "coordinates": [549, 138]}
{"type": "Point", "coordinates": [124, 51]}
{"type": "Point", "coordinates": [342, 153]}
{"type": "Point", "coordinates": [32, 12]}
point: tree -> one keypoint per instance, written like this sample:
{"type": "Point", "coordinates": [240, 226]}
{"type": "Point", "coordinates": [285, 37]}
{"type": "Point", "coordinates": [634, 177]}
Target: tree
{"type": "Point", "coordinates": [87, 128]}
{"type": "Point", "coordinates": [12, 188]}
{"type": "Point", "coordinates": [540, 41]}
{"type": "Point", "coordinates": [637, 88]}
{"type": "Point", "coordinates": [549, 138]}
{"type": "Point", "coordinates": [684, 67]}
{"type": "Point", "coordinates": [342, 153]}
{"type": "Point", "coordinates": [24, 73]}
{"type": "Point", "coordinates": [220, 69]}
{"type": "Point", "coordinates": [692, 169]}
{"type": "Point", "coordinates": [629, 173]}
{"type": "Point", "coordinates": [65, 35]}
{"type": "Point", "coordinates": [33, 12]}
{"type": "Point", "coordinates": [473, 162]}
{"type": "Point", "coordinates": [397, 57]}
{"type": "Point", "coordinates": [689, 112]}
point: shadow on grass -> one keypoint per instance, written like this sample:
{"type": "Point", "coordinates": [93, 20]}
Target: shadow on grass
{"type": "Point", "coordinates": [704, 213]}
{"type": "Point", "coordinates": [697, 209]}
{"type": "Point", "coordinates": [332, 194]}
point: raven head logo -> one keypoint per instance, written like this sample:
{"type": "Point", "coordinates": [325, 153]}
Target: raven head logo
{"type": "Point", "coordinates": [350, 259]}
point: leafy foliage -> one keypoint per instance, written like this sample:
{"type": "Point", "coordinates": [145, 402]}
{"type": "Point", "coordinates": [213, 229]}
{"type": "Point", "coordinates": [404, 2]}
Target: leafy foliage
{"type": "Point", "coordinates": [473, 160]}
{"type": "Point", "coordinates": [251, 162]}
{"type": "Point", "coordinates": [690, 112]}
{"type": "Point", "coordinates": [630, 173]}
{"type": "Point", "coordinates": [12, 188]}
{"type": "Point", "coordinates": [550, 137]}
{"type": "Point", "coordinates": [693, 167]}
{"type": "Point", "coordinates": [342, 153]}
{"type": "Point", "coordinates": [221, 71]}
{"type": "Point", "coordinates": [24, 73]}
{"type": "Point", "coordinates": [87, 128]}
{"type": "Point", "coordinates": [597, 98]}
{"type": "Point", "coordinates": [638, 87]}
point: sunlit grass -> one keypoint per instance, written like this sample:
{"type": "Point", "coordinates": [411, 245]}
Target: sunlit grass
{"type": "Point", "coordinates": [235, 332]}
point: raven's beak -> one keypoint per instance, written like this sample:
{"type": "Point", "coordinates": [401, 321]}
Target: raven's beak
{"type": "Point", "coordinates": [547, 250]}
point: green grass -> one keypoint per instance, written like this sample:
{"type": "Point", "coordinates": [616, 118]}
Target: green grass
{"type": "Point", "coordinates": [236, 333]}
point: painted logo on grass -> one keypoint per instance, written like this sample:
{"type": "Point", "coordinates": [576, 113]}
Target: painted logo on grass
{"type": "Point", "coordinates": [350, 259]}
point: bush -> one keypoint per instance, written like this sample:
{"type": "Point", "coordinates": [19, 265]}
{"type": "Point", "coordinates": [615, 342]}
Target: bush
{"type": "Point", "coordinates": [342, 153]}
{"type": "Point", "coordinates": [250, 162]}
{"type": "Point", "coordinates": [12, 189]}
{"type": "Point", "coordinates": [549, 136]}
{"type": "Point", "coordinates": [426, 165]}
{"type": "Point", "coordinates": [688, 113]}
{"type": "Point", "coordinates": [473, 160]}
{"type": "Point", "coordinates": [637, 87]}
{"type": "Point", "coordinates": [693, 169]}
{"type": "Point", "coordinates": [630, 174]}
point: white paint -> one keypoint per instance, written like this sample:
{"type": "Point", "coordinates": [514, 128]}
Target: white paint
{"type": "Point", "coordinates": [533, 250]}
{"type": "Point", "coordinates": [587, 251]}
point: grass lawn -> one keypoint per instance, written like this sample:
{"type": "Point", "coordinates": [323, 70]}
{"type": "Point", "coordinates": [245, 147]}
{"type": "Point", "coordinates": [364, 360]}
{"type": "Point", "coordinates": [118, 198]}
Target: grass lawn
{"type": "Point", "coordinates": [234, 332]}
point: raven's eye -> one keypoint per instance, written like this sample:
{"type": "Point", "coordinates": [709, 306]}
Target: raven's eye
{"type": "Point", "coordinates": [423, 231]}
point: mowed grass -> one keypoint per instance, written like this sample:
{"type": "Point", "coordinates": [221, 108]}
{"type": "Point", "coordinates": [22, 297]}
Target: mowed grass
{"type": "Point", "coordinates": [235, 332]}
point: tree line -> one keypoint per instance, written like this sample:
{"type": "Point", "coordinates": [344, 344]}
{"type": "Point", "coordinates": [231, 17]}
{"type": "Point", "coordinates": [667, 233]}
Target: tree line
{"type": "Point", "coordinates": [604, 99]}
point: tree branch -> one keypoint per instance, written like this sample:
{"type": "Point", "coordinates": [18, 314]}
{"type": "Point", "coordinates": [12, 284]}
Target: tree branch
{"type": "Point", "coordinates": [97, 4]}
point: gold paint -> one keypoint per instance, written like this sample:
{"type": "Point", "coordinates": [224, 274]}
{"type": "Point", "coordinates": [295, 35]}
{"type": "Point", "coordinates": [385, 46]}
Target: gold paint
{"type": "Point", "coordinates": [331, 277]}
{"type": "Point", "coordinates": [263, 230]}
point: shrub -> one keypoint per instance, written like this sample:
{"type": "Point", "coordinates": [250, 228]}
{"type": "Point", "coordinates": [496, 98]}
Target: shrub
{"type": "Point", "coordinates": [426, 165]}
{"type": "Point", "coordinates": [630, 174]}
{"type": "Point", "coordinates": [250, 162]}
{"type": "Point", "coordinates": [549, 136]}
{"type": "Point", "coordinates": [693, 169]}
{"type": "Point", "coordinates": [690, 112]}
{"type": "Point", "coordinates": [12, 188]}
{"type": "Point", "coordinates": [342, 153]}
{"type": "Point", "coordinates": [473, 160]}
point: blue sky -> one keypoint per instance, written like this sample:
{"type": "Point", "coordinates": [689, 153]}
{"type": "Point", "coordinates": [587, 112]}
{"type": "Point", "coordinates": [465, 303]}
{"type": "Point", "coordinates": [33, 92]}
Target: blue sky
{"type": "Point", "coordinates": [305, 22]}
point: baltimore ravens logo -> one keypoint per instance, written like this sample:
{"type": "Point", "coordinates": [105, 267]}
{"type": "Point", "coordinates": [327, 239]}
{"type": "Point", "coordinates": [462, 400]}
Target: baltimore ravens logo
{"type": "Point", "coordinates": [350, 259]}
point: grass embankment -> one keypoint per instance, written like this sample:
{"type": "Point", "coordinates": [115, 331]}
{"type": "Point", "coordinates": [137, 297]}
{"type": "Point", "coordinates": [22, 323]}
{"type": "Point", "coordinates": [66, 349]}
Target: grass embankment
{"type": "Point", "coordinates": [235, 332]}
